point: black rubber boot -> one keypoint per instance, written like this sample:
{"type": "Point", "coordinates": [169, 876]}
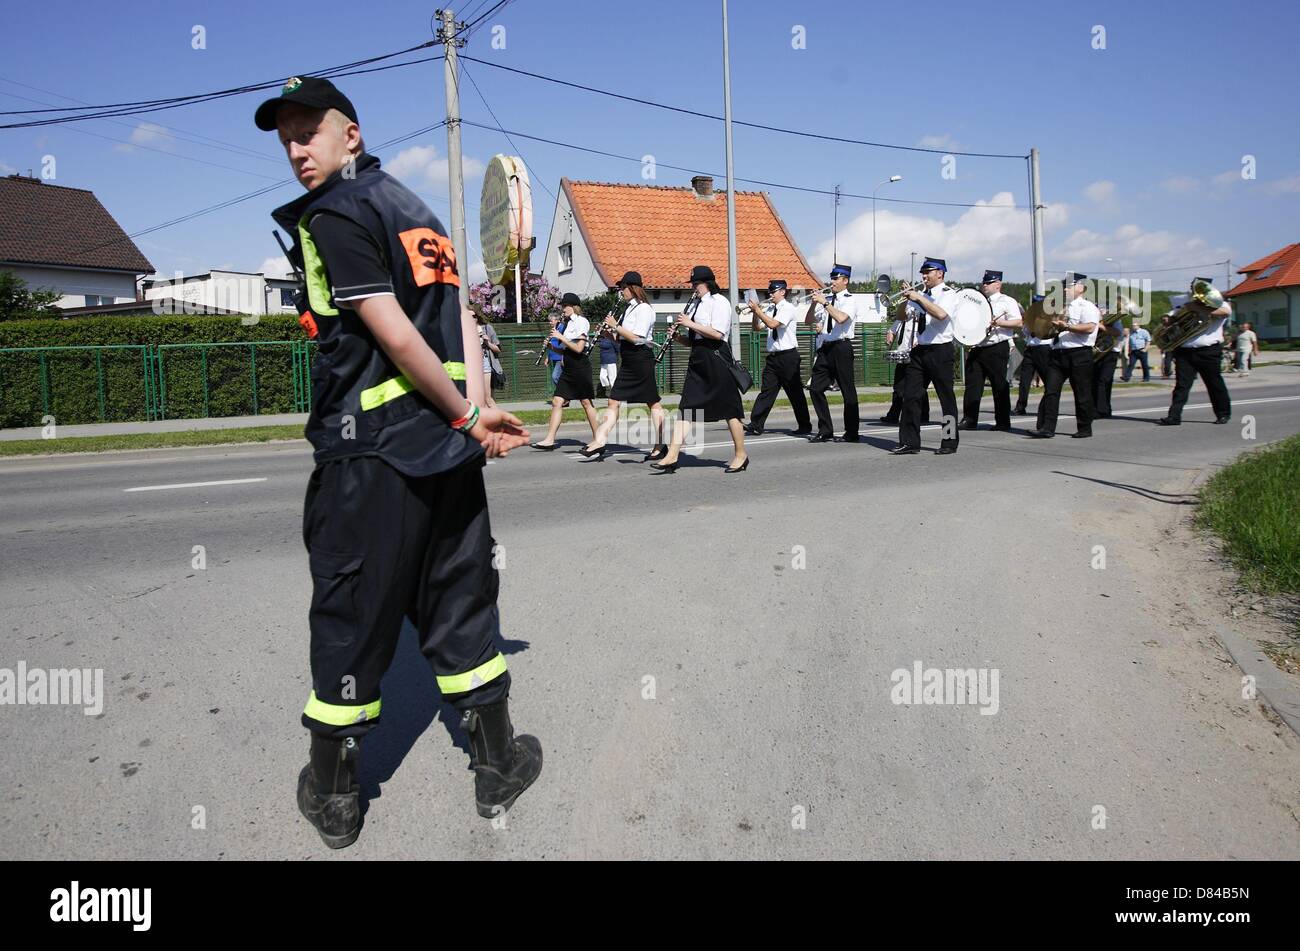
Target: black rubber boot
{"type": "Point", "coordinates": [328, 794]}
{"type": "Point", "coordinates": [504, 764]}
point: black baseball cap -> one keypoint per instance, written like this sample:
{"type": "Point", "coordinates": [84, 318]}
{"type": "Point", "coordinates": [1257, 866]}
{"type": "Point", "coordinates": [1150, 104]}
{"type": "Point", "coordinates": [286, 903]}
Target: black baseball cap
{"type": "Point", "coordinates": [310, 91]}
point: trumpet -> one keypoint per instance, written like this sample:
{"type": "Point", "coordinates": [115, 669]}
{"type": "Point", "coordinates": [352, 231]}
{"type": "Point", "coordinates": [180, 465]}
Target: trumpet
{"type": "Point", "coordinates": [894, 300]}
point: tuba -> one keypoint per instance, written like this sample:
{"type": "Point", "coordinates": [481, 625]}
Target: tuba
{"type": "Point", "coordinates": [1038, 322]}
{"type": "Point", "coordinates": [1192, 318]}
{"type": "Point", "coordinates": [1105, 341]}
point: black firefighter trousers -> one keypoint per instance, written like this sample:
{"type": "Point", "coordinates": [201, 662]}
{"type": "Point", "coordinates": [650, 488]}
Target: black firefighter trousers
{"type": "Point", "coordinates": [383, 546]}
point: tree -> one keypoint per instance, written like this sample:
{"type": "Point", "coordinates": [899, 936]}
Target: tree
{"type": "Point", "coordinates": [19, 303]}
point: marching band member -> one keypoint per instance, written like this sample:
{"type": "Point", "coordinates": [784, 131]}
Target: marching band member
{"type": "Point", "coordinates": [931, 362]}
{"type": "Point", "coordinates": [1038, 353]}
{"type": "Point", "coordinates": [709, 392]}
{"type": "Point", "coordinates": [608, 364]}
{"type": "Point", "coordinates": [636, 378]}
{"type": "Point", "coordinates": [899, 332]}
{"type": "Point", "coordinates": [575, 370]}
{"type": "Point", "coordinates": [781, 369]}
{"type": "Point", "coordinates": [1202, 354]}
{"type": "Point", "coordinates": [991, 359]}
{"type": "Point", "coordinates": [1071, 359]}
{"type": "Point", "coordinates": [1103, 370]}
{"type": "Point", "coordinates": [835, 317]}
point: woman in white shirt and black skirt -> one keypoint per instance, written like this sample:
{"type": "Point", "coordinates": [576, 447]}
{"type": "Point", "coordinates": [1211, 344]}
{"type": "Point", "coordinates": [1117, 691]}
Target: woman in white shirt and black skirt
{"type": "Point", "coordinates": [710, 393]}
{"type": "Point", "coordinates": [575, 370]}
{"type": "Point", "coordinates": [636, 377]}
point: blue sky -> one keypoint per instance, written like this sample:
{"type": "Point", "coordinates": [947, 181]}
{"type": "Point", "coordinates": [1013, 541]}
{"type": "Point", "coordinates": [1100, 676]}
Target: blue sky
{"type": "Point", "coordinates": [1142, 142]}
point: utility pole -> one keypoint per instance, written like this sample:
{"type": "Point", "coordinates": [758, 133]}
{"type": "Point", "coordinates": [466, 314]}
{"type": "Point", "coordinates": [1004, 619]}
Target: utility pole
{"type": "Point", "coordinates": [733, 277]}
{"type": "Point", "coordinates": [835, 227]}
{"type": "Point", "coordinates": [447, 35]}
{"type": "Point", "coordinates": [1036, 223]}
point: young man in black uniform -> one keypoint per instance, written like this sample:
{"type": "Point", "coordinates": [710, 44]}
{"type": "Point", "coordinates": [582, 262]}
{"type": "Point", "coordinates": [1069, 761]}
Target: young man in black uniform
{"type": "Point", "coordinates": [395, 520]}
{"type": "Point", "coordinates": [781, 370]}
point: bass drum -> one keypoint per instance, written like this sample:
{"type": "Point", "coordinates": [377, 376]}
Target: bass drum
{"type": "Point", "coordinates": [970, 317]}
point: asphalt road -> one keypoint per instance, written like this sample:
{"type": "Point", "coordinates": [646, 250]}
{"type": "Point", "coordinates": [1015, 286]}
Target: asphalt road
{"type": "Point", "coordinates": [706, 659]}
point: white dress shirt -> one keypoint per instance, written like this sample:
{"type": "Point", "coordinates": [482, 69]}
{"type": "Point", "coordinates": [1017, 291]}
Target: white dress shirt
{"type": "Point", "coordinates": [846, 302]}
{"type": "Point", "coordinates": [938, 331]}
{"type": "Point", "coordinates": [1079, 311]}
{"type": "Point", "coordinates": [640, 321]}
{"type": "Point", "coordinates": [785, 336]}
{"type": "Point", "coordinates": [1004, 308]}
{"type": "Point", "coordinates": [577, 328]}
{"type": "Point", "coordinates": [1211, 335]}
{"type": "Point", "coordinates": [714, 311]}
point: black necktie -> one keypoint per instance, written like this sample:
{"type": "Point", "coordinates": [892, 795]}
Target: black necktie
{"type": "Point", "coordinates": [830, 321]}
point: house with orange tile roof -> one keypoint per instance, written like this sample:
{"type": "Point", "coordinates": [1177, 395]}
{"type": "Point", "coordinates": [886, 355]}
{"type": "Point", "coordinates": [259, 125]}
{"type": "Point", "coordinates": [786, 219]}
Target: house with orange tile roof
{"type": "Point", "coordinates": [601, 230]}
{"type": "Point", "coordinates": [1269, 295]}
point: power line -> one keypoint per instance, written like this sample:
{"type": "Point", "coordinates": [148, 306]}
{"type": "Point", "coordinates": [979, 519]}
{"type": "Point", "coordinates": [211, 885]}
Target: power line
{"type": "Point", "coordinates": [142, 107]}
{"type": "Point", "coordinates": [751, 125]}
{"type": "Point", "coordinates": [516, 148]}
{"type": "Point", "coordinates": [250, 195]}
{"type": "Point", "coordinates": [476, 21]}
{"type": "Point", "coordinates": [750, 181]}
{"type": "Point", "coordinates": [1166, 270]}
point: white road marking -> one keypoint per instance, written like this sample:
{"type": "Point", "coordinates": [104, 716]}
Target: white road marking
{"type": "Point", "coordinates": [193, 485]}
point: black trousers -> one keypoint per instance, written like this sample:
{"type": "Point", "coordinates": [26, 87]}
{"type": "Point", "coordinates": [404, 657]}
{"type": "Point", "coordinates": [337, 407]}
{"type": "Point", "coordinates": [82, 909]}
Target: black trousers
{"type": "Point", "coordinates": [1073, 364]}
{"type": "Point", "coordinates": [1134, 356]}
{"type": "Point", "coordinates": [1208, 362]}
{"type": "Point", "coordinates": [1103, 380]}
{"type": "Point", "coordinates": [1035, 364]}
{"type": "Point", "coordinates": [781, 371]}
{"type": "Point", "coordinates": [896, 404]}
{"type": "Point", "coordinates": [988, 362]}
{"type": "Point", "coordinates": [931, 364]}
{"type": "Point", "coordinates": [383, 546]}
{"type": "Point", "coordinates": [834, 362]}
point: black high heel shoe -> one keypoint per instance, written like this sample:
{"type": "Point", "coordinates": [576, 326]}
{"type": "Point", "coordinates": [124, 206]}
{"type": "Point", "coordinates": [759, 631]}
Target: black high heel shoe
{"type": "Point", "coordinates": [584, 451]}
{"type": "Point", "coordinates": [661, 467]}
{"type": "Point", "coordinates": [655, 454]}
{"type": "Point", "coordinates": [740, 468]}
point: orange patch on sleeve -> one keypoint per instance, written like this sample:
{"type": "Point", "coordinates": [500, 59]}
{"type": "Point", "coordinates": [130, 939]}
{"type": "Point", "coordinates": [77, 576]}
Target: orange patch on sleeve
{"type": "Point", "coordinates": [432, 257]}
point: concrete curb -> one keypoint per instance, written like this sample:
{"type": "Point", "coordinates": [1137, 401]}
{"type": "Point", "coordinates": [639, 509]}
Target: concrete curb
{"type": "Point", "coordinates": [1271, 685]}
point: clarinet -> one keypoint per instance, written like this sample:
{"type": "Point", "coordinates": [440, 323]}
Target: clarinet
{"type": "Point", "coordinates": [691, 307]}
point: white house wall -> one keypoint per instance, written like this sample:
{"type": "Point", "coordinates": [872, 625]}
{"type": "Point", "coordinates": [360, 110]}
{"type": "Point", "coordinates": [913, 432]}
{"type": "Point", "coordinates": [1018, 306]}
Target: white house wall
{"type": "Point", "coordinates": [75, 284]}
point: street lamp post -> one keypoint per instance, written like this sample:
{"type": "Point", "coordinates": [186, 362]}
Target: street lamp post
{"type": "Point", "coordinates": [1119, 268]}
{"type": "Point", "coordinates": [888, 181]}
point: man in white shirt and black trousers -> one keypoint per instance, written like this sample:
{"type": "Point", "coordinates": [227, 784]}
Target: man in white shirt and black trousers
{"type": "Point", "coordinates": [1202, 354]}
{"type": "Point", "coordinates": [835, 317]}
{"type": "Point", "coordinates": [1071, 359]}
{"type": "Point", "coordinates": [931, 362]}
{"type": "Point", "coordinates": [781, 371]}
{"type": "Point", "coordinates": [991, 358]}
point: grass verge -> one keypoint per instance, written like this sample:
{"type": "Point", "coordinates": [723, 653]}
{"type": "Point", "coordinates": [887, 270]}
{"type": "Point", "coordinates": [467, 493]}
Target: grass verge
{"type": "Point", "coordinates": [1254, 506]}
{"type": "Point", "coordinates": [189, 437]}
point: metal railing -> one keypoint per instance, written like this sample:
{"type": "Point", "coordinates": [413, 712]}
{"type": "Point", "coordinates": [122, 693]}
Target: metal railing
{"type": "Point", "coordinates": [123, 383]}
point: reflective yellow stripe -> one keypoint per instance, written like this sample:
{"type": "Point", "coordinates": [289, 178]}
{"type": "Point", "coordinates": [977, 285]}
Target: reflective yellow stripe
{"type": "Point", "coordinates": [385, 392]}
{"type": "Point", "coordinates": [390, 390]}
{"type": "Point", "coordinates": [314, 276]}
{"type": "Point", "coordinates": [337, 715]}
{"type": "Point", "coordinates": [459, 683]}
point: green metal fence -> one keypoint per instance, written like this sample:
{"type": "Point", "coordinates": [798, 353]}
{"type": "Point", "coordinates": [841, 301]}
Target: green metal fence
{"type": "Point", "coordinates": [187, 381]}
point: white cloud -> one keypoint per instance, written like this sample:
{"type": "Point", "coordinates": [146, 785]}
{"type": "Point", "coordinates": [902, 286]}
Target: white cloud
{"type": "Point", "coordinates": [1283, 186]}
{"type": "Point", "coordinates": [993, 234]}
{"type": "Point", "coordinates": [149, 134]}
{"type": "Point", "coordinates": [1100, 193]}
{"type": "Point", "coordinates": [1134, 250]}
{"type": "Point", "coordinates": [1230, 177]}
{"type": "Point", "coordinates": [945, 142]}
{"type": "Point", "coordinates": [1181, 184]}
{"type": "Point", "coordinates": [420, 168]}
{"type": "Point", "coordinates": [276, 267]}
{"type": "Point", "coordinates": [7, 169]}
{"type": "Point", "coordinates": [477, 272]}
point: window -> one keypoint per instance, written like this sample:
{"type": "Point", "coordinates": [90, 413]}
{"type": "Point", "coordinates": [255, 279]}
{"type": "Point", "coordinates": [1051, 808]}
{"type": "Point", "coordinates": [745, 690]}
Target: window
{"type": "Point", "coordinates": [92, 300]}
{"type": "Point", "coordinates": [1268, 272]}
{"type": "Point", "coordinates": [286, 297]}
{"type": "Point", "coordinates": [1277, 318]}
{"type": "Point", "coordinates": [566, 257]}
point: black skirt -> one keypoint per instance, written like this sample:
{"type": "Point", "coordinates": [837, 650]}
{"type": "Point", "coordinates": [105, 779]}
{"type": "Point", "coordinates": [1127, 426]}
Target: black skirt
{"type": "Point", "coordinates": [636, 377]}
{"type": "Point", "coordinates": [575, 378]}
{"type": "Point", "coordinates": [709, 389]}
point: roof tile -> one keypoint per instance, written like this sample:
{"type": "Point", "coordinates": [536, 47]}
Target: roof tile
{"type": "Point", "coordinates": [49, 224]}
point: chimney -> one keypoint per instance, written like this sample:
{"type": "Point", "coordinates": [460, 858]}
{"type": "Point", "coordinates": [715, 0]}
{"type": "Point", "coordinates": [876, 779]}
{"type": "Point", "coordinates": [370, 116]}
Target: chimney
{"type": "Point", "coordinates": [703, 185]}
